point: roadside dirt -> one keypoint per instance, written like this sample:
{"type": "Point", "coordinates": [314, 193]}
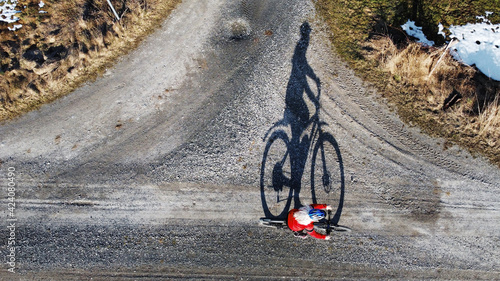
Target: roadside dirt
{"type": "Point", "coordinates": [153, 171]}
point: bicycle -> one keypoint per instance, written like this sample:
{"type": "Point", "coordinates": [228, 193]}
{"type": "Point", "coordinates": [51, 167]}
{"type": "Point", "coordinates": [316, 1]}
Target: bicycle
{"type": "Point", "coordinates": [324, 226]}
{"type": "Point", "coordinates": [327, 172]}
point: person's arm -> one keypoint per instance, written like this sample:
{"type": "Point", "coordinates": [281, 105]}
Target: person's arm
{"type": "Point", "coordinates": [309, 72]}
{"type": "Point", "coordinates": [310, 230]}
{"type": "Point", "coordinates": [318, 235]}
{"type": "Point", "coordinates": [312, 97]}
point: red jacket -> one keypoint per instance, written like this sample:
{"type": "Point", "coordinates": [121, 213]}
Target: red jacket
{"type": "Point", "coordinates": [294, 225]}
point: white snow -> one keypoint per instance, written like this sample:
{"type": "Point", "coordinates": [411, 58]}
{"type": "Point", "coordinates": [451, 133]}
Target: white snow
{"type": "Point", "coordinates": [416, 31]}
{"type": "Point", "coordinates": [8, 11]}
{"type": "Point", "coordinates": [477, 43]}
{"type": "Point", "coordinates": [15, 27]}
{"type": "Point", "coordinates": [441, 32]}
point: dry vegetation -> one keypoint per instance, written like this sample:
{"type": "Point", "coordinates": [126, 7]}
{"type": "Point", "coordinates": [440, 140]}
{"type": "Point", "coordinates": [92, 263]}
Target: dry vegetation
{"type": "Point", "coordinates": [76, 40]}
{"type": "Point", "coordinates": [441, 95]}
{"type": "Point", "coordinates": [425, 84]}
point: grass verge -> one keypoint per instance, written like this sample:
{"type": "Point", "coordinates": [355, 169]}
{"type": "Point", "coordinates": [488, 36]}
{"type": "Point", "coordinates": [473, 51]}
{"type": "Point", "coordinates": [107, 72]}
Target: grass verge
{"type": "Point", "coordinates": [426, 86]}
{"type": "Point", "coordinates": [73, 42]}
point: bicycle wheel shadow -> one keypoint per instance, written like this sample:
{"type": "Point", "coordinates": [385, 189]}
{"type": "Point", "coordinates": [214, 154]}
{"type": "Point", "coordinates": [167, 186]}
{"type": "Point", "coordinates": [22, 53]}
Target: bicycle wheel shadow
{"type": "Point", "coordinates": [285, 156]}
{"type": "Point", "coordinates": [327, 175]}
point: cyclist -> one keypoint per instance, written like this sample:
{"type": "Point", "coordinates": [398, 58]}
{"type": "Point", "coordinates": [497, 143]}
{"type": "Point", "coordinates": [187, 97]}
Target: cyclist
{"type": "Point", "coordinates": [301, 220]}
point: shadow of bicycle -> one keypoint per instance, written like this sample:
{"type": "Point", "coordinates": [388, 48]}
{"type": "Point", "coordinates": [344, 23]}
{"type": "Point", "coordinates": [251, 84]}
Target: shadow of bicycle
{"type": "Point", "coordinates": [296, 139]}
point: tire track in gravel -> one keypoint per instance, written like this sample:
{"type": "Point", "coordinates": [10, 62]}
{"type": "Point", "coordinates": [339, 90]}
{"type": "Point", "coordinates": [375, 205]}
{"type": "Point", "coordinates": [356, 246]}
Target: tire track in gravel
{"type": "Point", "coordinates": [398, 136]}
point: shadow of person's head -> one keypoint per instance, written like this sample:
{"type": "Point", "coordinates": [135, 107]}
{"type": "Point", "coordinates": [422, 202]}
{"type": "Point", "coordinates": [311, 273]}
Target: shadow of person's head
{"type": "Point", "coordinates": [305, 30]}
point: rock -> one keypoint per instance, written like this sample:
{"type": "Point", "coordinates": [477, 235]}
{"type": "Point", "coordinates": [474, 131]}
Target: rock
{"type": "Point", "coordinates": [239, 29]}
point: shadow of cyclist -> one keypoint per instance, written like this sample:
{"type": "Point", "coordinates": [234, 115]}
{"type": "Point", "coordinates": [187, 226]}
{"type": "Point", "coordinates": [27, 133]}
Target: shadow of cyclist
{"type": "Point", "coordinates": [285, 156]}
{"type": "Point", "coordinates": [296, 111]}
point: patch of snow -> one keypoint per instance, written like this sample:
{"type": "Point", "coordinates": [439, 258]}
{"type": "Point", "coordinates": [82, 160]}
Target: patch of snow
{"type": "Point", "coordinates": [416, 31]}
{"type": "Point", "coordinates": [441, 28]}
{"type": "Point", "coordinates": [8, 11]}
{"type": "Point", "coordinates": [479, 45]}
{"type": "Point", "coordinates": [15, 27]}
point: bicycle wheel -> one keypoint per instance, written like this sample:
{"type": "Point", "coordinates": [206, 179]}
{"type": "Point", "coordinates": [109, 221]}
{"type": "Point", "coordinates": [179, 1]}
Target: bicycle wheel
{"type": "Point", "coordinates": [275, 174]}
{"type": "Point", "coordinates": [327, 175]}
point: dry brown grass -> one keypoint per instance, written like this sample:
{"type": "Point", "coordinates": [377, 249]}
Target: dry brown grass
{"type": "Point", "coordinates": [75, 41]}
{"type": "Point", "coordinates": [363, 32]}
{"type": "Point", "coordinates": [421, 88]}
{"type": "Point", "coordinates": [412, 66]}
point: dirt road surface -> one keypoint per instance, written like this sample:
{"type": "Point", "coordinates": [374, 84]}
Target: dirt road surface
{"type": "Point", "coordinates": [154, 170]}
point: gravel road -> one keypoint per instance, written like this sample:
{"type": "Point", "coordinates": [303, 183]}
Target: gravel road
{"type": "Point", "coordinates": [153, 171]}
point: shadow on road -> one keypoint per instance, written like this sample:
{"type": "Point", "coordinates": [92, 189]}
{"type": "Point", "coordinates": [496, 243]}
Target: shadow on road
{"type": "Point", "coordinates": [285, 156]}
